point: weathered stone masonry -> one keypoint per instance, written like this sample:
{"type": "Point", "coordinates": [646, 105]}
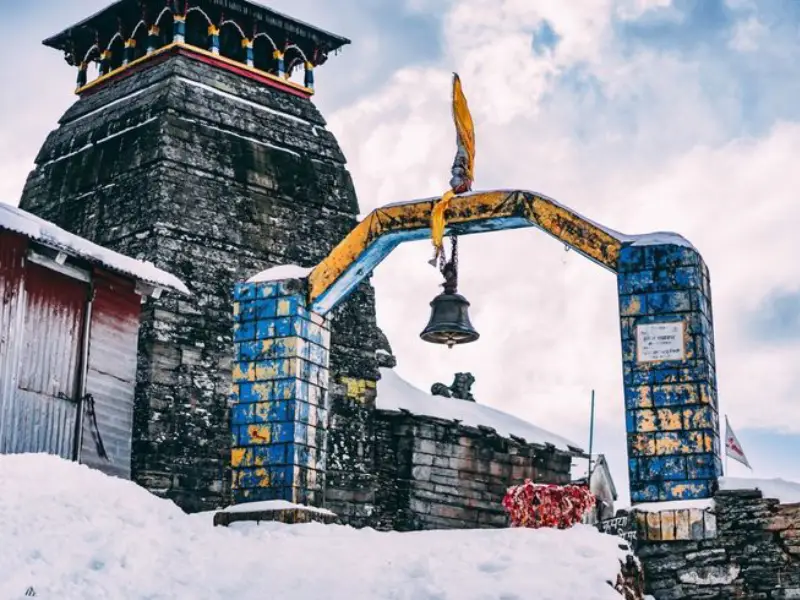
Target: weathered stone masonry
{"type": "Point", "coordinates": [437, 474]}
{"type": "Point", "coordinates": [214, 178]}
{"type": "Point", "coordinates": [751, 551]}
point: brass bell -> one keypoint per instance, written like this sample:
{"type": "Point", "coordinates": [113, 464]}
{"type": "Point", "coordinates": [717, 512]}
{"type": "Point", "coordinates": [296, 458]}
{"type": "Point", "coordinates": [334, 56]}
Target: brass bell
{"type": "Point", "coordinates": [449, 323]}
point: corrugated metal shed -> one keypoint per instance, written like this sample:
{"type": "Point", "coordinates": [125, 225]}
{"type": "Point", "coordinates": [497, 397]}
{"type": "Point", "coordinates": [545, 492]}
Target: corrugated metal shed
{"type": "Point", "coordinates": [68, 346]}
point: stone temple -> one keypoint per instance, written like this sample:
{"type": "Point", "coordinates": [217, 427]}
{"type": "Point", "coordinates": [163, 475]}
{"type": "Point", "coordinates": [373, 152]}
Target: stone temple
{"type": "Point", "coordinates": [197, 147]}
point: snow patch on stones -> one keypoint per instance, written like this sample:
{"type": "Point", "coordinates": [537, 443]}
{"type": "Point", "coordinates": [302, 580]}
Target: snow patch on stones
{"type": "Point", "coordinates": [395, 393]}
{"type": "Point", "coordinates": [280, 273]}
{"type": "Point", "coordinates": [273, 505]}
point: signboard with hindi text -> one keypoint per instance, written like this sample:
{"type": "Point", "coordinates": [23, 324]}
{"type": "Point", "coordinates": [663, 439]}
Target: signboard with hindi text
{"type": "Point", "coordinates": [657, 342]}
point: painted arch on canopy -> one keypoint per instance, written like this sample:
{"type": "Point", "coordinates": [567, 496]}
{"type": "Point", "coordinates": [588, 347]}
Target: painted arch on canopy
{"type": "Point", "coordinates": [385, 228]}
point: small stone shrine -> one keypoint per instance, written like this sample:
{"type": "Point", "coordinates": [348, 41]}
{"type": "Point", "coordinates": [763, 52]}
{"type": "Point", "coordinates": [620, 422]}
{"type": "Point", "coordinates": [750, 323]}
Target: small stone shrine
{"type": "Point", "coordinates": [197, 147]}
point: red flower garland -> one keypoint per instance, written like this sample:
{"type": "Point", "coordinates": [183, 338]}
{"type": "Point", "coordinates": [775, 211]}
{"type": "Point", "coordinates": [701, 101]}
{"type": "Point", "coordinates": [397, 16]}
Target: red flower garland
{"type": "Point", "coordinates": [537, 505]}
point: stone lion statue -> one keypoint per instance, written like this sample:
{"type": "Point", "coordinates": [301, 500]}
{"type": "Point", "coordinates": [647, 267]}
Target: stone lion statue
{"type": "Point", "coordinates": [460, 388]}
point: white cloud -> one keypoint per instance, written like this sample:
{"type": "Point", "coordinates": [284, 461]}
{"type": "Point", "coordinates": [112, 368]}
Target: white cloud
{"type": "Point", "coordinates": [748, 34]}
{"type": "Point", "coordinates": [633, 9]}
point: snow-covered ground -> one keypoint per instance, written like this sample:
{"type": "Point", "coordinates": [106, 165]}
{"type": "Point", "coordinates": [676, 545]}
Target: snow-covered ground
{"type": "Point", "coordinates": [72, 533]}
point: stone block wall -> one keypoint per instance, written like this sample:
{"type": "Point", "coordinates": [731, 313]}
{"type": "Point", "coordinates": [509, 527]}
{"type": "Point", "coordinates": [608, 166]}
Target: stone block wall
{"type": "Point", "coordinates": [752, 552]}
{"type": "Point", "coordinates": [437, 474]}
{"type": "Point", "coordinates": [354, 464]}
{"type": "Point", "coordinates": [669, 373]}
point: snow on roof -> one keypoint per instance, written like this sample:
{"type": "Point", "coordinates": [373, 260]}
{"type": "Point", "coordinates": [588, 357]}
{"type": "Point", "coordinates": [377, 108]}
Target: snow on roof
{"type": "Point", "coordinates": [658, 238]}
{"type": "Point", "coordinates": [280, 272]}
{"type": "Point", "coordinates": [124, 542]}
{"type": "Point", "coordinates": [579, 469]}
{"type": "Point", "coordinates": [788, 492]}
{"type": "Point", "coordinates": [395, 393]}
{"type": "Point", "coordinates": [22, 222]}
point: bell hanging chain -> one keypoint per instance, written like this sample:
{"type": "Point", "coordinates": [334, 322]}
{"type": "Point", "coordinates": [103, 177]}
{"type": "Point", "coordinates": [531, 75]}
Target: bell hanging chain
{"type": "Point", "coordinates": [449, 268]}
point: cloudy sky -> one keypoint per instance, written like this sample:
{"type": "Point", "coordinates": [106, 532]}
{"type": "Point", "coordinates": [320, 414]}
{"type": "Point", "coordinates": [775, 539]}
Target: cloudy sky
{"type": "Point", "coordinates": [644, 115]}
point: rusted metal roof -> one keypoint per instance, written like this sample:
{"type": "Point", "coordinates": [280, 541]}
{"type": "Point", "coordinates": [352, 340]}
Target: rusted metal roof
{"type": "Point", "coordinates": [46, 233]}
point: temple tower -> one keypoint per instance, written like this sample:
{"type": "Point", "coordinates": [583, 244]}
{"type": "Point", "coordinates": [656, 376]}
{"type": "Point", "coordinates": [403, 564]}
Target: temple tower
{"type": "Point", "coordinates": [197, 147]}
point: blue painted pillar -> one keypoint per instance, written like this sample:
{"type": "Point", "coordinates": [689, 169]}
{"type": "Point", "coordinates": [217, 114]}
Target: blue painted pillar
{"type": "Point", "coordinates": [248, 48]}
{"type": "Point", "coordinates": [279, 410]}
{"type": "Point", "coordinates": [309, 79]}
{"type": "Point", "coordinates": [179, 29]}
{"type": "Point", "coordinates": [213, 32]}
{"type": "Point", "coordinates": [669, 373]}
{"type": "Point", "coordinates": [152, 37]}
{"type": "Point", "coordinates": [278, 56]}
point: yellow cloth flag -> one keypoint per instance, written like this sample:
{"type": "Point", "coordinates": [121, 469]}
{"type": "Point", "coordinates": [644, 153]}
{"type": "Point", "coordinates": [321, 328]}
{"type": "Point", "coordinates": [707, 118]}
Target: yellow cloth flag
{"type": "Point", "coordinates": [465, 161]}
{"type": "Point", "coordinates": [437, 219]}
{"type": "Point", "coordinates": [464, 126]}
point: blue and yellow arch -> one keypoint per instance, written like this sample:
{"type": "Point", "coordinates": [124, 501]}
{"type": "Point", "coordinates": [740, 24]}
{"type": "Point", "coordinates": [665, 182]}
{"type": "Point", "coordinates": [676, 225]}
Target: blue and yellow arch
{"type": "Point", "coordinates": [665, 322]}
{"type": "Point", "coordinates": [374, 238]}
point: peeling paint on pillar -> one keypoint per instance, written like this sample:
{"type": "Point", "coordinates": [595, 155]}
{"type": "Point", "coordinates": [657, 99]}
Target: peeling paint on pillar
{"type": "Point", "coordinates": [670, 400]}
{"type": "Point", "coordinates": [280, 403]}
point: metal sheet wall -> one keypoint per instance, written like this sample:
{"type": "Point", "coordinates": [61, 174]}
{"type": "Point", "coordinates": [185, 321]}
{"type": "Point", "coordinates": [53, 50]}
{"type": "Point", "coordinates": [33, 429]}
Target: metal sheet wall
{"type": "Point", "coordinates": [111, 378]}
{"type": "Point", "coordinates": [40, 368]}
{"type": "Point", "coordinates": [12, 311]}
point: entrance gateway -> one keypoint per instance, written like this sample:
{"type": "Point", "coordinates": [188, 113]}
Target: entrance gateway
{"type": "Point", "coordinates": [281, 334]}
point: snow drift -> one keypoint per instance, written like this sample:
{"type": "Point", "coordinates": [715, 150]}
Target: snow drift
{"type": "Point", "coordinates": [69, 532]}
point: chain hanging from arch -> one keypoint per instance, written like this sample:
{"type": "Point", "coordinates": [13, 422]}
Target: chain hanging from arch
{"type": "Point", "coordinates": [449, 268]}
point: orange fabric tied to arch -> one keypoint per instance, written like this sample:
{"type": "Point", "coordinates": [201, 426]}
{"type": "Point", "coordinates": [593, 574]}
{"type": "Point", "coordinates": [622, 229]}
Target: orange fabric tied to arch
{"type": "Point", "coordinates": [462, 166]}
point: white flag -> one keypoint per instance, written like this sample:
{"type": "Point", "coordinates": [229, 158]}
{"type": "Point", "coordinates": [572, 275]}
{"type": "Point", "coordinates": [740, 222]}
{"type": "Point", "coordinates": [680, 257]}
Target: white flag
{"type": "Point", "coordinates": [732, 446]}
